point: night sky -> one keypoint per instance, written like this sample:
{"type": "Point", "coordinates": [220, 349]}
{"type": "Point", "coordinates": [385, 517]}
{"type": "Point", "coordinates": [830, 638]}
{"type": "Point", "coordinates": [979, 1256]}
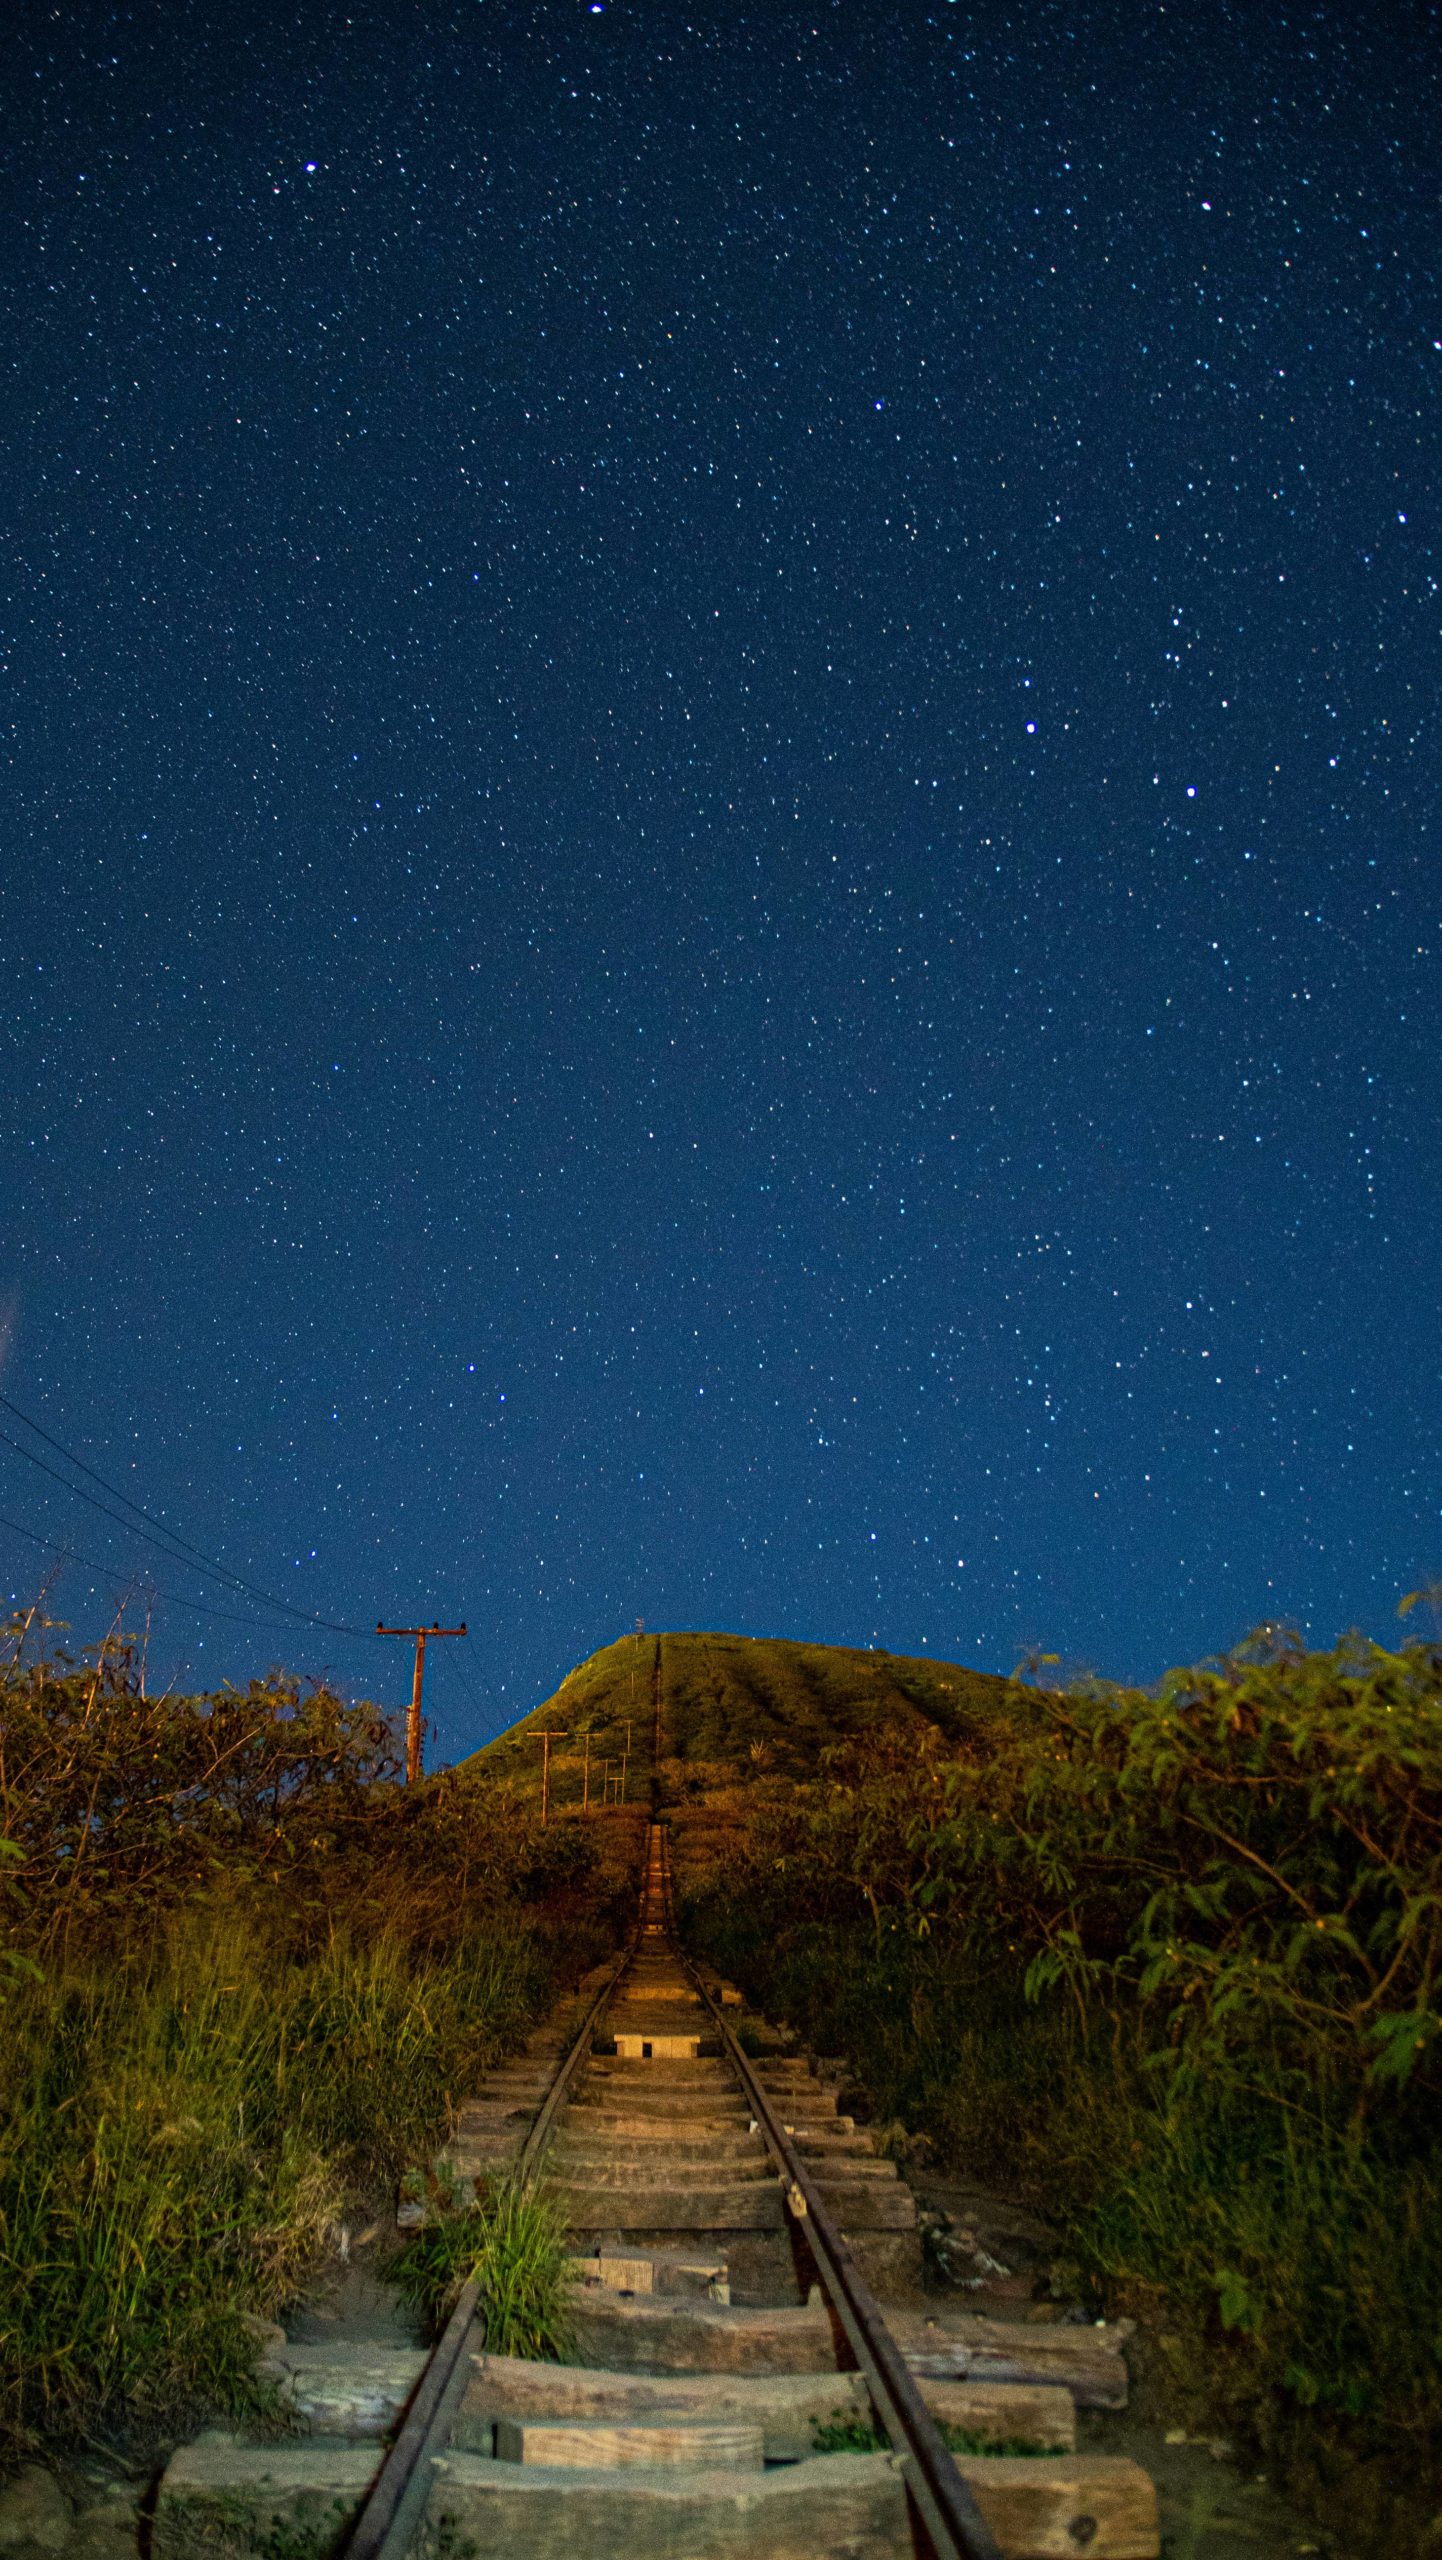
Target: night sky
{"type": "Point", "coordinates": [720, 891]}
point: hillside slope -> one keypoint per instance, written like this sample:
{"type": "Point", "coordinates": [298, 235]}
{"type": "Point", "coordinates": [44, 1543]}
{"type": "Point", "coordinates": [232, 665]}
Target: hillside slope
{"type": "Point", "coordinates": [733, 1706]}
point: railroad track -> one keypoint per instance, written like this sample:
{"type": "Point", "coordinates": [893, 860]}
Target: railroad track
{"type": "Point", "coordinates": [728, 2222]}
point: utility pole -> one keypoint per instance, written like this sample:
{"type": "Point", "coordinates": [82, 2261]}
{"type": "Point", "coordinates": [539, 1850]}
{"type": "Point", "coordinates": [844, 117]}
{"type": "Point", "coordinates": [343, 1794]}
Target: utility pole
{"type": "Point", "coordinates": [546, 1739]}
{"type": "Point", "coordinates": [413, 1720]}
{"type": "Point", "coordinates": [586, 1770]}
{"type": "Point", "coordinates": [625, 1762]}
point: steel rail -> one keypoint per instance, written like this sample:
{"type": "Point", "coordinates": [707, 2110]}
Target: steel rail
{"type": "Point", "coordinates": [538, 2140]}
{"type": "Point", "coordinates": [949, 2514]}
{"type": "Point", "coordinates": [396, 2500]}
{"type": "Point", "coordinates": [397, 2495]}
{"type": "Point", "coordinates": [952, 2519]}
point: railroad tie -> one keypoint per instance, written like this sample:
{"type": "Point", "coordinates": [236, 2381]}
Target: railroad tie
{"type": "Point", "coordinates": [734, 2390]}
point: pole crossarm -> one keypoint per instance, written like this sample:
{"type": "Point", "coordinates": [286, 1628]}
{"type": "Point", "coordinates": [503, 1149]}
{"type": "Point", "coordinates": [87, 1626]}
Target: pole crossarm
{"type": "Point", "coordinates": [413, 1719]}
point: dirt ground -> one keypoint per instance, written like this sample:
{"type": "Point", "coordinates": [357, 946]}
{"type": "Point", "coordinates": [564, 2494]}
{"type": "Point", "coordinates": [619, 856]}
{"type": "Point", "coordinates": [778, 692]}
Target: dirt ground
{"type": "Point", "coordinates": [994, 2254]}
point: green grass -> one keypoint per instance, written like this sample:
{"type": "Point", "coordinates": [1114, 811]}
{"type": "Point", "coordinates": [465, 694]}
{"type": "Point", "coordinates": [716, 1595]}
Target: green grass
{"type": "Point", "coordinates": [515, 2246]}
{"type": "Point", "coordinates": [844, 2433]}
{"type": "Point", "coordinates": [181, 2129]}
{"type": "Point", "coordinates": [762, 1704]}
{"type": "Point", "coordinates": [736, 1705]}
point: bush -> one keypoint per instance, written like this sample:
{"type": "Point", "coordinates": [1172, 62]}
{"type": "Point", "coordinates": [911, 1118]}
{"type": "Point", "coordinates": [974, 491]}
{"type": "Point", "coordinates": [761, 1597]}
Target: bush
{"type": "Point", "coordinates": [1181, 1950]}
{"type": "Point", "coordinates": [112, 1801]}
{"type": "Point", "coordinates": [245, 1975]}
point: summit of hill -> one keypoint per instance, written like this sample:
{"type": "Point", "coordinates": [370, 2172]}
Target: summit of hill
{"type": "Point", "coordinates": [733, 1704]}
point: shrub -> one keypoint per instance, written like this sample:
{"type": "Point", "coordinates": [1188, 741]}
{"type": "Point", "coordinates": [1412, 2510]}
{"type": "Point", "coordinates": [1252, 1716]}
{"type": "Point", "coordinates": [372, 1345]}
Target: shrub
{"type": "Point", "coordinates": [245, 1975]}
{"type": "Point", "coordinates": [514, 2244]}
{"type": "Point", "coordinates": [1181, 1953]}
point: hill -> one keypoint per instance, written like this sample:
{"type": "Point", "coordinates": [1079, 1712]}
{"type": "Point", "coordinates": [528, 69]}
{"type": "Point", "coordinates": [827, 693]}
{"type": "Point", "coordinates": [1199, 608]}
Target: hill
{"type": "Point", "coordinates": [735, 1705]}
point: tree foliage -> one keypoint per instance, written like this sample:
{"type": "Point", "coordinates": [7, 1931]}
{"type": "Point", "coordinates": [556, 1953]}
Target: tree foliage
{"type": "Point", "coordinates": [1253, 1854]}
{"type": "Point", "coordinates": [115, 1804]}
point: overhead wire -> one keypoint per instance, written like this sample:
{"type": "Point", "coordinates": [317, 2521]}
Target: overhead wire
{"type": "Point", "coordinates": [180, 1550]}
{"type": "Point", "coordinates": [474, 1697]}
{"type": "Point", "coordinates": [495, 1716]}
{"type": "Point", "coordinates": [455, 1667]}
{"type": "Point", "coordinates": [229, 1580]}
{"type": "Point", "coordinates": [117, 1492]}
{"type": "Point", "coordinates": [113, 1573]}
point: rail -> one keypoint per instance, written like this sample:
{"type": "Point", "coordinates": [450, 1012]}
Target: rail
{"type": "Point", "coordinates": [950, 2518]}
{"type": "Point", "coordinates": [954, 2523]}
{"type": "Point", "coordinates": [389, 2519]}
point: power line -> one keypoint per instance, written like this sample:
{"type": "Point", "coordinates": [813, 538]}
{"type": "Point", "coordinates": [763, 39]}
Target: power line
{"type": "Point", "coordinates": [111, 1572]}
{"type": "Point", "coordinates": [489, 1718]}
{"type": "Point", "coordinates": [434, 1674]}
{"type": "Point", "coordinates": [473, 1697]}
{"type": "Point", "coordinates": [233, 1580]}
{"type": "Point", "coordinates": [487, 1712]}
{"type": "Point", "coordinates": [73, 1459]}
{"type": "Point", "coordinates": [217, 1572]}
{"type": "Point", "coordinates": [180, 1550]}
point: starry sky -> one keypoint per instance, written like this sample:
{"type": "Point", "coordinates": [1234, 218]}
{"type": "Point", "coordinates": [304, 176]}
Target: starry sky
{"type": "Point", "coordinates": [720, 883]}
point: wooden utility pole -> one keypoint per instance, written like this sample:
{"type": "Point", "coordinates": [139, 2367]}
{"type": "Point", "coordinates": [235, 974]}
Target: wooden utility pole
{"type": "Point", "coordinates": [413, 1720]}
{"type": "Point", "coordinates": [586, 1770]}
{"type": "Point", "coordinates": [546, 1739]}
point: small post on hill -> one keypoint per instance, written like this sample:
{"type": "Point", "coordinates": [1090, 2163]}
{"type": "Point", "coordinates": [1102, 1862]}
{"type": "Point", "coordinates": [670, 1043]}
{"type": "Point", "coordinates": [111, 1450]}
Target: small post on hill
{"type": "Point", "coordinates": [413, 1720]}
{"type": "Point", "coordinates": [546, 1739]}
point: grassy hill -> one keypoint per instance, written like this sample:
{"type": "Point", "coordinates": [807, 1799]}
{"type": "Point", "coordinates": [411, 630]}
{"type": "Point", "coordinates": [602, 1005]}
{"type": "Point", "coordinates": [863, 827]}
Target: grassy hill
{"type": "Point", "coordinates": [759, 1702]}
{"type": "Point", "coordinates": [735, 1707]}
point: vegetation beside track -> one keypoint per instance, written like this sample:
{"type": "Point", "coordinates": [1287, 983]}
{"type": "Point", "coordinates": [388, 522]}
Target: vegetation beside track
{"type": "Point", "coordinates": [515, 2245]}
{"type": "Point", "coordinates": [1173, 1959]}
{"type": "Point", "coordinates": [242, 1972]}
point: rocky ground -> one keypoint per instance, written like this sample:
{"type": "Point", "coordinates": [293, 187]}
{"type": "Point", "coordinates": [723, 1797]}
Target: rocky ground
{"type": "Point", "coordinates": [1000, 2254]}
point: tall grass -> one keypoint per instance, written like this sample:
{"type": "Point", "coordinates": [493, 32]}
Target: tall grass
{"type": "Point", "coordinates": [243, 1973]}
{"type": "Point", "coordinates": [181, 2129]}
{"type": "Point", "coordinates": [514, 2244]}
